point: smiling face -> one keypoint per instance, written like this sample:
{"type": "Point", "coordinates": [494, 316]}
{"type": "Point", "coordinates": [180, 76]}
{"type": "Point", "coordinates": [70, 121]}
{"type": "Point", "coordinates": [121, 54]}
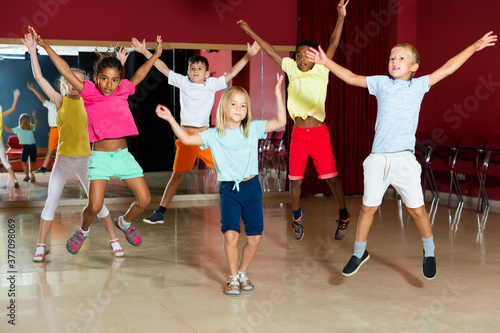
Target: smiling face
{"type": "Point", "coordinates": [401, 66]}
{"type": "Point", "coordinates": [197, 72]}
{"type": "Point", "coordinates": [108, 80]}
{"type": "Point", "coordinates": [237, 109]}
{"type": "Point", "coordinates": [300, 58]}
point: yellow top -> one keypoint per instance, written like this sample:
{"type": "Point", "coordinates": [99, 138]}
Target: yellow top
{"type": "Point", "coordinates": [306, 90]}
{"type": "Point", "coordinates": [72, 127]}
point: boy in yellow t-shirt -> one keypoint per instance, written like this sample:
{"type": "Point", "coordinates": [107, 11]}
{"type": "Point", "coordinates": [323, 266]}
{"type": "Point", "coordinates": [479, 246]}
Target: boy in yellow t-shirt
{"type": "Point", "coordinates": [310, 136]}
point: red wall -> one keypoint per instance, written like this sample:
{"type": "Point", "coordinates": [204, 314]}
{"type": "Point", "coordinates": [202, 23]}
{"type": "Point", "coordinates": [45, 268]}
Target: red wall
{"type": "Point", "coordinates": [469, 100]}
{"type": "Point", "coordinates": [190, 21]}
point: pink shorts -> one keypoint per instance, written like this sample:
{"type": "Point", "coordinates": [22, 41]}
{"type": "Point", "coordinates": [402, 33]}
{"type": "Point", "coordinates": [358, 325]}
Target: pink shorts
{"type": "Point", "coordinates": [314, 142]}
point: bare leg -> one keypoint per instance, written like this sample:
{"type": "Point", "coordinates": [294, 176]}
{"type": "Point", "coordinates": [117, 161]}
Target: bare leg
{"type": "Point", "coordinates": [44, 230]}
{"type": "Point", "coordinates": [338, 190]}
{"type": "Point", "coordinates": [421, 220]}
{"type": "Point", "coordinates": [171, 188]}
{"type": "Point", "coordinates": [12, 174]}
{"type": "Point", "coordinates": [48, 157]}
{"type": "Point", "coordinates": [295, 190]}
{"type": "Point", "coordinates": [107, 223]}
{"type": "Point", "coordinates": [25, 168]}
{"type": "Point", "coordinates": [142, 195]}
{"type": "Point", "coordinates": [365, 222]}
{"type": "Point", "coordinates": [97, 189]}
{"type": "Point", "coordinates": [231, 249]}
{"type": "Point", "coordinates": [249, 251]}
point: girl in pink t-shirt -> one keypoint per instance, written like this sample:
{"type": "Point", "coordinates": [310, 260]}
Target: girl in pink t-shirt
{"type": "Point", "coordinates": [109, 121]}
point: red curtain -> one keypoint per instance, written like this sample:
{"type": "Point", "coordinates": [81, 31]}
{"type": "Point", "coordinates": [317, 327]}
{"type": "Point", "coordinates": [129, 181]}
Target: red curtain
{"type": "Point", "coordinates": [350, 111]}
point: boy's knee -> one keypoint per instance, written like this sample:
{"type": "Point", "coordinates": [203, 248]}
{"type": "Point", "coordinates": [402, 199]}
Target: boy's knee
{"type": "Point", "coordinates": [418, 213]}
{"type": "Point", "coordinates": [369, 210]}
{"type": "Point", "coordinates": [231, 237]}
{"type": "Point", "coordinates": [144, 201]}
{"type": "Point", "coordinates": [295, 184]}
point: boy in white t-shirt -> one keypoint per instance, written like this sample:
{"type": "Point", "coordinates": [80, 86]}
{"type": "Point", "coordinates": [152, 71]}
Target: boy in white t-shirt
{"type": "Point", "coordinates": [197, 96]}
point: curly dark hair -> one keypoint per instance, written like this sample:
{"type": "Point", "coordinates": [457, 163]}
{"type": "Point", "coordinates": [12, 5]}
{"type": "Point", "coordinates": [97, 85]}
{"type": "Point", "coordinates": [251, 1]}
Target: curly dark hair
{"type": "Point", "coordinates": [108, 61]}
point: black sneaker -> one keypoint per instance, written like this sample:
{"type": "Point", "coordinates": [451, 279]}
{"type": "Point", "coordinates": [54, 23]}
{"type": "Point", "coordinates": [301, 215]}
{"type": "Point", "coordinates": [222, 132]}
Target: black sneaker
{"type": "Point", "coordinates": [354, 264]}
{"type": "Point", "coordinates": [155, 218]}
{"type": "Point", "coordinates": [341, 230]}
{"type": "Point", "coordinates": [298, 226]}
{"type": "Point", "coordinates": [429, 267]}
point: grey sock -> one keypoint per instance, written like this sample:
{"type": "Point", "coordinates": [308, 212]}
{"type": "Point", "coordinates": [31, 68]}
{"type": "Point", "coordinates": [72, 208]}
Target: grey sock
{"type": "Point", "coordinates": [359, 248]}
{"type": "Point", "coordinates": [428, 246]}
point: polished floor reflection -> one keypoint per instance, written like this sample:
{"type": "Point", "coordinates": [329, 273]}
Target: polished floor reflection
{"type": "Point", "coordinates": [174, 281]}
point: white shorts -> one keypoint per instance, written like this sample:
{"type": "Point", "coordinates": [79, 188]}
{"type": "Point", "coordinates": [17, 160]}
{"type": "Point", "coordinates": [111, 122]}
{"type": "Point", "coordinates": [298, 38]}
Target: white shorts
{"type": "Point", "coordinates": [401, 170]}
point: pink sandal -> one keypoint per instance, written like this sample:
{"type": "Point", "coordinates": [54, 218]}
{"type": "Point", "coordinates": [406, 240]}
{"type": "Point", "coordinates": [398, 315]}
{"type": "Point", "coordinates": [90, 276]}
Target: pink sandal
{"type": "Point", "coordinates": [40, 256]}
{"type": "Point", "coordinates": [118, 252]}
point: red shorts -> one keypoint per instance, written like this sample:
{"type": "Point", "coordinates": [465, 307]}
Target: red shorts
{"type": "Point", "coordinates": [186, 156]}
{"type": "Point", "coordinates": [314, 142]}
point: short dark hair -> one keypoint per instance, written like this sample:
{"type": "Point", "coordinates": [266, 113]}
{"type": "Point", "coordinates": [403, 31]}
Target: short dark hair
{"type": "Point", "coordinates": [108, 62]}
{"type": "Point", "coordinates": [198, 58]}
{"type": "Point", "coordinates": [307, 42]}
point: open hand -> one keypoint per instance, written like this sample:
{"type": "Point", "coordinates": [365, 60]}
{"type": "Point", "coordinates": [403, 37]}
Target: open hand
{"type": "Point", "coordinates": [254, 49]}
{"type": "Point", "coordinates": [122, 55]}
{"type": "Point", "coordinates": [38, 39]}
{"type": "Point", "coordinates": [163, 112]}
{"type": "Point", "coordinates": [318, 57]}
{"type": "Point", "coordinates": [341, 8]}
{"type": "Point", "coordinates": [159, 46]}
{"type": "Point", "coordinates": [34, 113]}
{"type": "Point", "coordinates": [138, 46]}
{"type": "Point", "coordinates": [487, 40]}
{"type": "Point", "coordinates": [30, 42]}
{"type": "Point", "coordinates": [17, 93]}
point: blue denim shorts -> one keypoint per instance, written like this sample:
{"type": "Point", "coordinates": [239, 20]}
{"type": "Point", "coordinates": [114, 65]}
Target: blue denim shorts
{"type": "Point", "coordinates": [120, 164]}
{"type": "Point", "coordinates": [245, 204]}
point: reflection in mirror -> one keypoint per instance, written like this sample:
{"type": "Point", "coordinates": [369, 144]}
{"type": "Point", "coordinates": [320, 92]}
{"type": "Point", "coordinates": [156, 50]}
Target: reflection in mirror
{"type": "Point", "coordinates": [154, 148]}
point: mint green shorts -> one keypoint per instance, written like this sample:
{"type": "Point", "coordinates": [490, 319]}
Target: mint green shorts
{"type": "Point", "coordinates": [120, 164]}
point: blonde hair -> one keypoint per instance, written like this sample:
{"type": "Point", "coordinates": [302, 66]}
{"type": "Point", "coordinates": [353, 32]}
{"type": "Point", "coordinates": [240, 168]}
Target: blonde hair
{"type": "Point", "coordinates": [25, 121]}
{"type": "Point", "coordinates": [62, 81]}
{"type": "Point", "coordinates": [221, 122]}
{"type": "Point", "coordinates": [415, 57]}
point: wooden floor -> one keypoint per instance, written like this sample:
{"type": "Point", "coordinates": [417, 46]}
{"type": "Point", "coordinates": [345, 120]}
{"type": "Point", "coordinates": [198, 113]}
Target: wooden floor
{"type": "Point", "coordinates": [174, 281]}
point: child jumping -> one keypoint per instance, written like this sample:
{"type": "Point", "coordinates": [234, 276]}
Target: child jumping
{"type": "Point", "coordinates": [310, 136]}
{"type": "Point", "coordinates": [73, 152]}
{"type": "Point", "coordinates": [109, 121]}
{"type": "Point", "coordinates": [3, 157]}
{"type": "Point", "coordinates": [197, 95]}
{"type": "Point", "coordinates": [392, 161]}
{"type": "Point", "coordinates": [234, 143]}
{"type": "Point", "coordinates": [25, 133]}
{"type": "Point", "coordinates": [53, 133]}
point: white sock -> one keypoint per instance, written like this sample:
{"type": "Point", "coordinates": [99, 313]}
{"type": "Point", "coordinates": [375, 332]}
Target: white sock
{"type": "Point", "coordinates": [243, 278]}
{"type": "Point", "coordinates": [85, 233]}
{"type": "Point", "coordinates": [115, 245]}
{"type": "Point", "coordinates": [40, 249]}
{"type": "Point", "coordinates": [123, 223]}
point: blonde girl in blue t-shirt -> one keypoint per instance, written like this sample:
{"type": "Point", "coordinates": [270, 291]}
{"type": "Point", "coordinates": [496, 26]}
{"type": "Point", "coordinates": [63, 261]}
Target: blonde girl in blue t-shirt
{"type": "Point", "coordinates": [234, 145]}
{"type": "Point", "coordinates": [25, 133]}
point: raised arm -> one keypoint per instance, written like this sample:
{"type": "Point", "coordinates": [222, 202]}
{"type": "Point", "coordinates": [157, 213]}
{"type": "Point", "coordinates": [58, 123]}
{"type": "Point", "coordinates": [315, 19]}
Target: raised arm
{"type": "Point", "coordinates": [454, 63]}
{"type": "Point", "coordinates": [342, 73]}
{"type": "Point", "coordinates": [141, 48]}
{"type": "Point", "coordinates": [251, 51]}
{"type": "Point", "coordinates": [34, 119]}
{"type": "Point", "coordinates": [14, 104]}
{"type": "Point", "coordinates": [265, 46]}
{"type": "Point", "coordinates": [141, 73]}
{"type": "Point", "coordinates": [337, 32]}
{"type": "Point", "coordinates": [47, 88]}
{"type": "Point", "coordinates": [280, 120]}
{"type": "Point", "coordinates": [190, 140]}
{"type": "Point", "coordinates": [61, 65]}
